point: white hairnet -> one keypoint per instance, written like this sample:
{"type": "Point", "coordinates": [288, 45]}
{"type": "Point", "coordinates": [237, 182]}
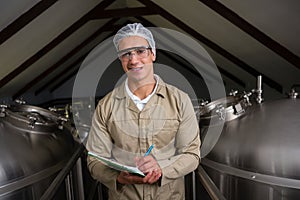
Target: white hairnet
{"type": "Point", "coordinates": [135, 29]}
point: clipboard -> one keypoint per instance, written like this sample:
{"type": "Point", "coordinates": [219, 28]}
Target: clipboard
{"type": "Point", "coordinates": [117, 166]}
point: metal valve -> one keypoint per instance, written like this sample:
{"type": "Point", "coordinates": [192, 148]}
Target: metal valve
{"type": "Point", "coordinates": [2, 110]}
{"type": "Point", "coordinates": [32, 121]}
{"type": "Point", "coordinates": [246, 97]}
{"type": "Point", "coordinates": [221, 112]}
{"type": "Point", "coordinates": [293, 93]}
{"type": "Point", "coordinates": [233, 93]}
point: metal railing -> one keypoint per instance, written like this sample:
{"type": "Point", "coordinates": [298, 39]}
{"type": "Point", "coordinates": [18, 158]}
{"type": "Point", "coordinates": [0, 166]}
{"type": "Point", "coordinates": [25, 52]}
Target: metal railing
{"type": "Point", "coordinates": [66, 175]}
{"type": "Point", "coordinates": [212, 190]}
{"type": "Point", "coordinates": [74, 182]}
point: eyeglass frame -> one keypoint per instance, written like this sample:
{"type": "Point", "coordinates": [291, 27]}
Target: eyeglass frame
{"type": "Point", "coordinates": [130, 50]}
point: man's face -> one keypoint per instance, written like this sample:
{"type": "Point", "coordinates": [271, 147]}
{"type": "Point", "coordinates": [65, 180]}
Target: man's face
{"type": "Point", "coordinates": [136, 58]}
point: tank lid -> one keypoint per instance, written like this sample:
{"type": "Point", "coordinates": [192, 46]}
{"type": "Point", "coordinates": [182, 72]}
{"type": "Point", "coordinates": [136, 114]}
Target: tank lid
{"type": "Point", "coordinates": [224, 109]}
{"type": "Point", "coordinates": [32, 118]}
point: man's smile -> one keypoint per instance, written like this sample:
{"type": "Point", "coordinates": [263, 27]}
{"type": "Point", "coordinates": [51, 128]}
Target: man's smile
{"type": "Point", "coordinates": [135, 68]}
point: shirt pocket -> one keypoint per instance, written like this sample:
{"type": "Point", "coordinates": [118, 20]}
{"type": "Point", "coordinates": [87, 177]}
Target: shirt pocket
{"type": "Point", "coordinates": [164, 132]}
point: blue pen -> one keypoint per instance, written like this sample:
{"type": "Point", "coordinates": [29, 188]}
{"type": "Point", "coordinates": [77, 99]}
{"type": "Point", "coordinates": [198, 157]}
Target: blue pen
{"type": "Point", "coordinates": [149, 150]}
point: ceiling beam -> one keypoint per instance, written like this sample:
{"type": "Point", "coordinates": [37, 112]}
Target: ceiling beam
{"type": "Point", "coordinates": [64, 58]}
{"type": "Point", "coordinates": [53, 43]}
{"type": "Point", "coordinates": [112, 28]}
{"type": "Point", "coordinates": [107, 27]}
{"type": "Point", "coordinates": [231, 77]}
{"type": "Point", "coordinates": [222, 71]}
{"type": "Point", "coordinates": [75, 66]}
{"type": "Point", "coordinates": [24, 19]}
{"type": "Point", "coordinates": [57, 85]}
{"type": "Point", "coordinates": [123, 12]}
{"type": "Point", "coordinates": [61, 74]}
{"type": "Point", "coordinates": [151, 5]}
{"type": "Point", "coordinates": [253, 31]}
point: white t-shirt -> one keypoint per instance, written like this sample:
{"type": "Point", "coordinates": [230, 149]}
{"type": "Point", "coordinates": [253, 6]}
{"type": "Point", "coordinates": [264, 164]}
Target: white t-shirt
{"type": "Point", "coordinates": [138, 102]}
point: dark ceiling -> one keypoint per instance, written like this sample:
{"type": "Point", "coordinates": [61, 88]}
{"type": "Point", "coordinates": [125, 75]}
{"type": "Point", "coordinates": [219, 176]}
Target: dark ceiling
{"type": "Point", "coordinates": [44, 42]}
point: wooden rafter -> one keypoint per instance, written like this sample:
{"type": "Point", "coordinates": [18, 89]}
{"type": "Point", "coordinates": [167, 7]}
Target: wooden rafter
{"type": "Point", "coordinates": [253, 31]}
{"type": "Point", "coordinates": [123, 12]}
{"type": "Point", "coordinates": [106, 27]}
{"type": "Point", "coordinates": [151, 5]}
{"type": "Point", "coordinates": [24, 19]}
{"type": "Point", "coordinates": [54, 43]}
{"type": "Point", "coordinates": [63, 59]}
{"type": "Point", "coordinates": [222, 71]}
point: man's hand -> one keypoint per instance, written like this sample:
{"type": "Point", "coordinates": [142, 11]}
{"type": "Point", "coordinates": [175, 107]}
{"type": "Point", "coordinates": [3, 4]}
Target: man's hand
{"type": "Point", "coordinates": [149, 166]}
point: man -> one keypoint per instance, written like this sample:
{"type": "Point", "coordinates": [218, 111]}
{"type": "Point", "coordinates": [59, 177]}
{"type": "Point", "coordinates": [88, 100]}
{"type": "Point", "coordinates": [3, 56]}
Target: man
{"type": "Point", "coordinates": [141, 112]}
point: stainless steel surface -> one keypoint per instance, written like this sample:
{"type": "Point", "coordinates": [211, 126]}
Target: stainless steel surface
{"type": "Point", "coordinates": [225, 109]}
{"type": "Point", "coordinates": [33, 119]}
{"type": "Point", "coordinates": [256, 156]}
{"type": "Point", "coordinates": [64, 175]}
{"type": "Point", "coordinates": [34, 146]}
{"type": "Point", "coordinates": [214, 114]}
{"type": "Point", "coordinates": [79, 115]}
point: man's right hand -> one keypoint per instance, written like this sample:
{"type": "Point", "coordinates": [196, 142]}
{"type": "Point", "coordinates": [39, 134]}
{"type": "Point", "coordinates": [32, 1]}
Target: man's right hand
{"type": "Point", "coordinates": [127, 178]}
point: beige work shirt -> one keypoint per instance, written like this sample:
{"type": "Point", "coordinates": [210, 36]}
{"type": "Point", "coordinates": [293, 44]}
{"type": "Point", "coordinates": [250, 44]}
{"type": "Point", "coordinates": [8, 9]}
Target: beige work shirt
{"type": "Point", "coordinates": [121, 131]}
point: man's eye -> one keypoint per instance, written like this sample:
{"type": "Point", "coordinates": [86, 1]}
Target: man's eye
{"type": "Point", "coordinates": [126, 54]}
{"type": "Point", "coordinates": [140, 51]}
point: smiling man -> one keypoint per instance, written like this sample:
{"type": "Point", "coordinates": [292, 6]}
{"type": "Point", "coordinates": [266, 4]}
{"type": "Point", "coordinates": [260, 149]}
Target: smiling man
{"type": "Point", "coordinates": [143, 112]}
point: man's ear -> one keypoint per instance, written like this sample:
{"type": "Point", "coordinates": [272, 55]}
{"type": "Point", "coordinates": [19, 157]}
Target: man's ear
{"type": "Point", "coordinates": [153, 56]}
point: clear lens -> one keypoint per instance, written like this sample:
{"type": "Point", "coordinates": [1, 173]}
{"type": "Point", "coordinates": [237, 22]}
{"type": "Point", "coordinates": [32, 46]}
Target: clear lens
{"type": "Point", "coordinates": [140, 52]}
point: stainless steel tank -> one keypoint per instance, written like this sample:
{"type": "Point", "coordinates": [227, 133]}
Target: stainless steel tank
{"type": "Point", "coordinates": [34, 146]}
{"type": "Point", "coordinates": [256, 156]}
{"type": "Point", "coordinates": [79, 114]}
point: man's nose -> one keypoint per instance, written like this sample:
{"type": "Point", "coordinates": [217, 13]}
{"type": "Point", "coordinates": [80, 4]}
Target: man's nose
{"type": "Point", "coordinates": [132, 55]}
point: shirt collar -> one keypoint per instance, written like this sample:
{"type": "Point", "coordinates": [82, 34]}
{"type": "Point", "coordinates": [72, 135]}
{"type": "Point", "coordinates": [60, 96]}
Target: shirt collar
{"type": "Point", "coordinates": [134, 97]}
{"type": "Point", "coordinates": [120, 91]}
